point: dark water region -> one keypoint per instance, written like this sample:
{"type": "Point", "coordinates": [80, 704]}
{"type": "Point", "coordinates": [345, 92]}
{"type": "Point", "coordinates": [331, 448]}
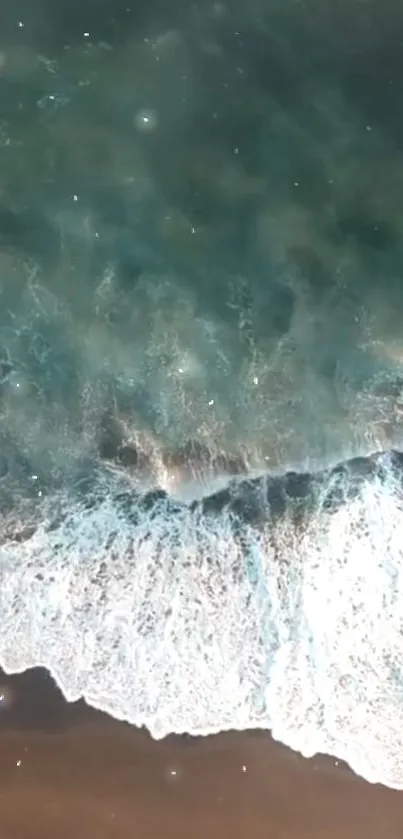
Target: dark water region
{"type": "Point", "coordinates": [200, 230]}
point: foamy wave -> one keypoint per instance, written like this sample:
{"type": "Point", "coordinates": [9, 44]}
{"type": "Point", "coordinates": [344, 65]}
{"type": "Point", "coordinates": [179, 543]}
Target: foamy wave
{"type": "Point", "coordinates": [204, 617]}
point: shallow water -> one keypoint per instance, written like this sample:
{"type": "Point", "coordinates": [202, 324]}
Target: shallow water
{"type": "Point", "coordinates": [200, 257]}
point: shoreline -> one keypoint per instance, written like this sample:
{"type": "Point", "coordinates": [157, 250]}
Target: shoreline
{"type": "Point", "coordinates": [68, 771]}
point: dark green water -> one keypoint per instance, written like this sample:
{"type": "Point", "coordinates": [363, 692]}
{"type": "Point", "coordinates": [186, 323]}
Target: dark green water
{"type": "Point", "coordinates": [200, 229]}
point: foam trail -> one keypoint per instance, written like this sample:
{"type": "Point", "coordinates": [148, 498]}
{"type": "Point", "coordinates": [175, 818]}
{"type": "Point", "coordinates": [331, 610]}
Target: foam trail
{"type": "Point", "coordinates": [275, 603]}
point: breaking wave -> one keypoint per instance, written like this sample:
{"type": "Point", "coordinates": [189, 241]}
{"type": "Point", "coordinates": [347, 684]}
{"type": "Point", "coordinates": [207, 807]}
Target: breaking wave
{"type": "Point", "coordinates": [272, 603]}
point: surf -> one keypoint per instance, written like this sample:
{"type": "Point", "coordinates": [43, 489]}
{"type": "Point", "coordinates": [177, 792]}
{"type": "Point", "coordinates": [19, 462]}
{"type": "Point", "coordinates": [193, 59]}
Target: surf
{"type": "Point", "coordinates": [272, 602]}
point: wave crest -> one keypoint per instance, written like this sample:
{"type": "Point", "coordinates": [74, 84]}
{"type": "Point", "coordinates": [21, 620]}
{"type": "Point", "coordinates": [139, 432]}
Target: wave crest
{"type": "Point", "coordinates": [232, 612]}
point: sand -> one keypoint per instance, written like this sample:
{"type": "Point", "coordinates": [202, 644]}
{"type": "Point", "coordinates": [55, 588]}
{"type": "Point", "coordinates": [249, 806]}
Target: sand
{"type": "Point", "coordinates": [69, 772]}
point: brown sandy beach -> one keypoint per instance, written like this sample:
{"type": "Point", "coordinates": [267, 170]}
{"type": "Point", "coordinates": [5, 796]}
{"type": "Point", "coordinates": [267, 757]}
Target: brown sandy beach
{"type": "Point", "coordinates": [66, 771]}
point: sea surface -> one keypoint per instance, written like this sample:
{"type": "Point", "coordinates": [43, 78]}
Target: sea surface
{"type": "Point", "coordinates": [201, 282]}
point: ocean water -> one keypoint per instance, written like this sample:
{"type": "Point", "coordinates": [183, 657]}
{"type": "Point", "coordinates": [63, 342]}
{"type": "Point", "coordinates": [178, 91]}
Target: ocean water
{"type": "Point", "coordinates": [200, 282]}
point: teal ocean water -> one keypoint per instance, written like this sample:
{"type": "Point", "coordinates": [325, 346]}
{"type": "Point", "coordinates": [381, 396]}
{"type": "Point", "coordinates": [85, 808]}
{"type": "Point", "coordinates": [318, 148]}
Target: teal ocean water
{"type": "Point", "coordinates": [200, 278]}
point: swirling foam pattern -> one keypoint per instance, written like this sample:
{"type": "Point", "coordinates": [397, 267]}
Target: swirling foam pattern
{"type": "Point", "coordinates": [276, 603]}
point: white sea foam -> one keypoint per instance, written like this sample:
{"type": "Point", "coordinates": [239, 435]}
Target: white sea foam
{"type": "Point", "coordinates": [161, 618]}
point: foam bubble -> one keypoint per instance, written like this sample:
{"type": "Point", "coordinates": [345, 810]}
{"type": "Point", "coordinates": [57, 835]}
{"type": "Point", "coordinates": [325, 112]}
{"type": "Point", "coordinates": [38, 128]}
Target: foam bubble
{"type": "Point", "coordinates": [146, 121]}
{"type": "Point", "coordinates": [205, 617]}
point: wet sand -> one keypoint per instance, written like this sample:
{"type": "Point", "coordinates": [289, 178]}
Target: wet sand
{"type": "Point", "coordinates": [67, 771]}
